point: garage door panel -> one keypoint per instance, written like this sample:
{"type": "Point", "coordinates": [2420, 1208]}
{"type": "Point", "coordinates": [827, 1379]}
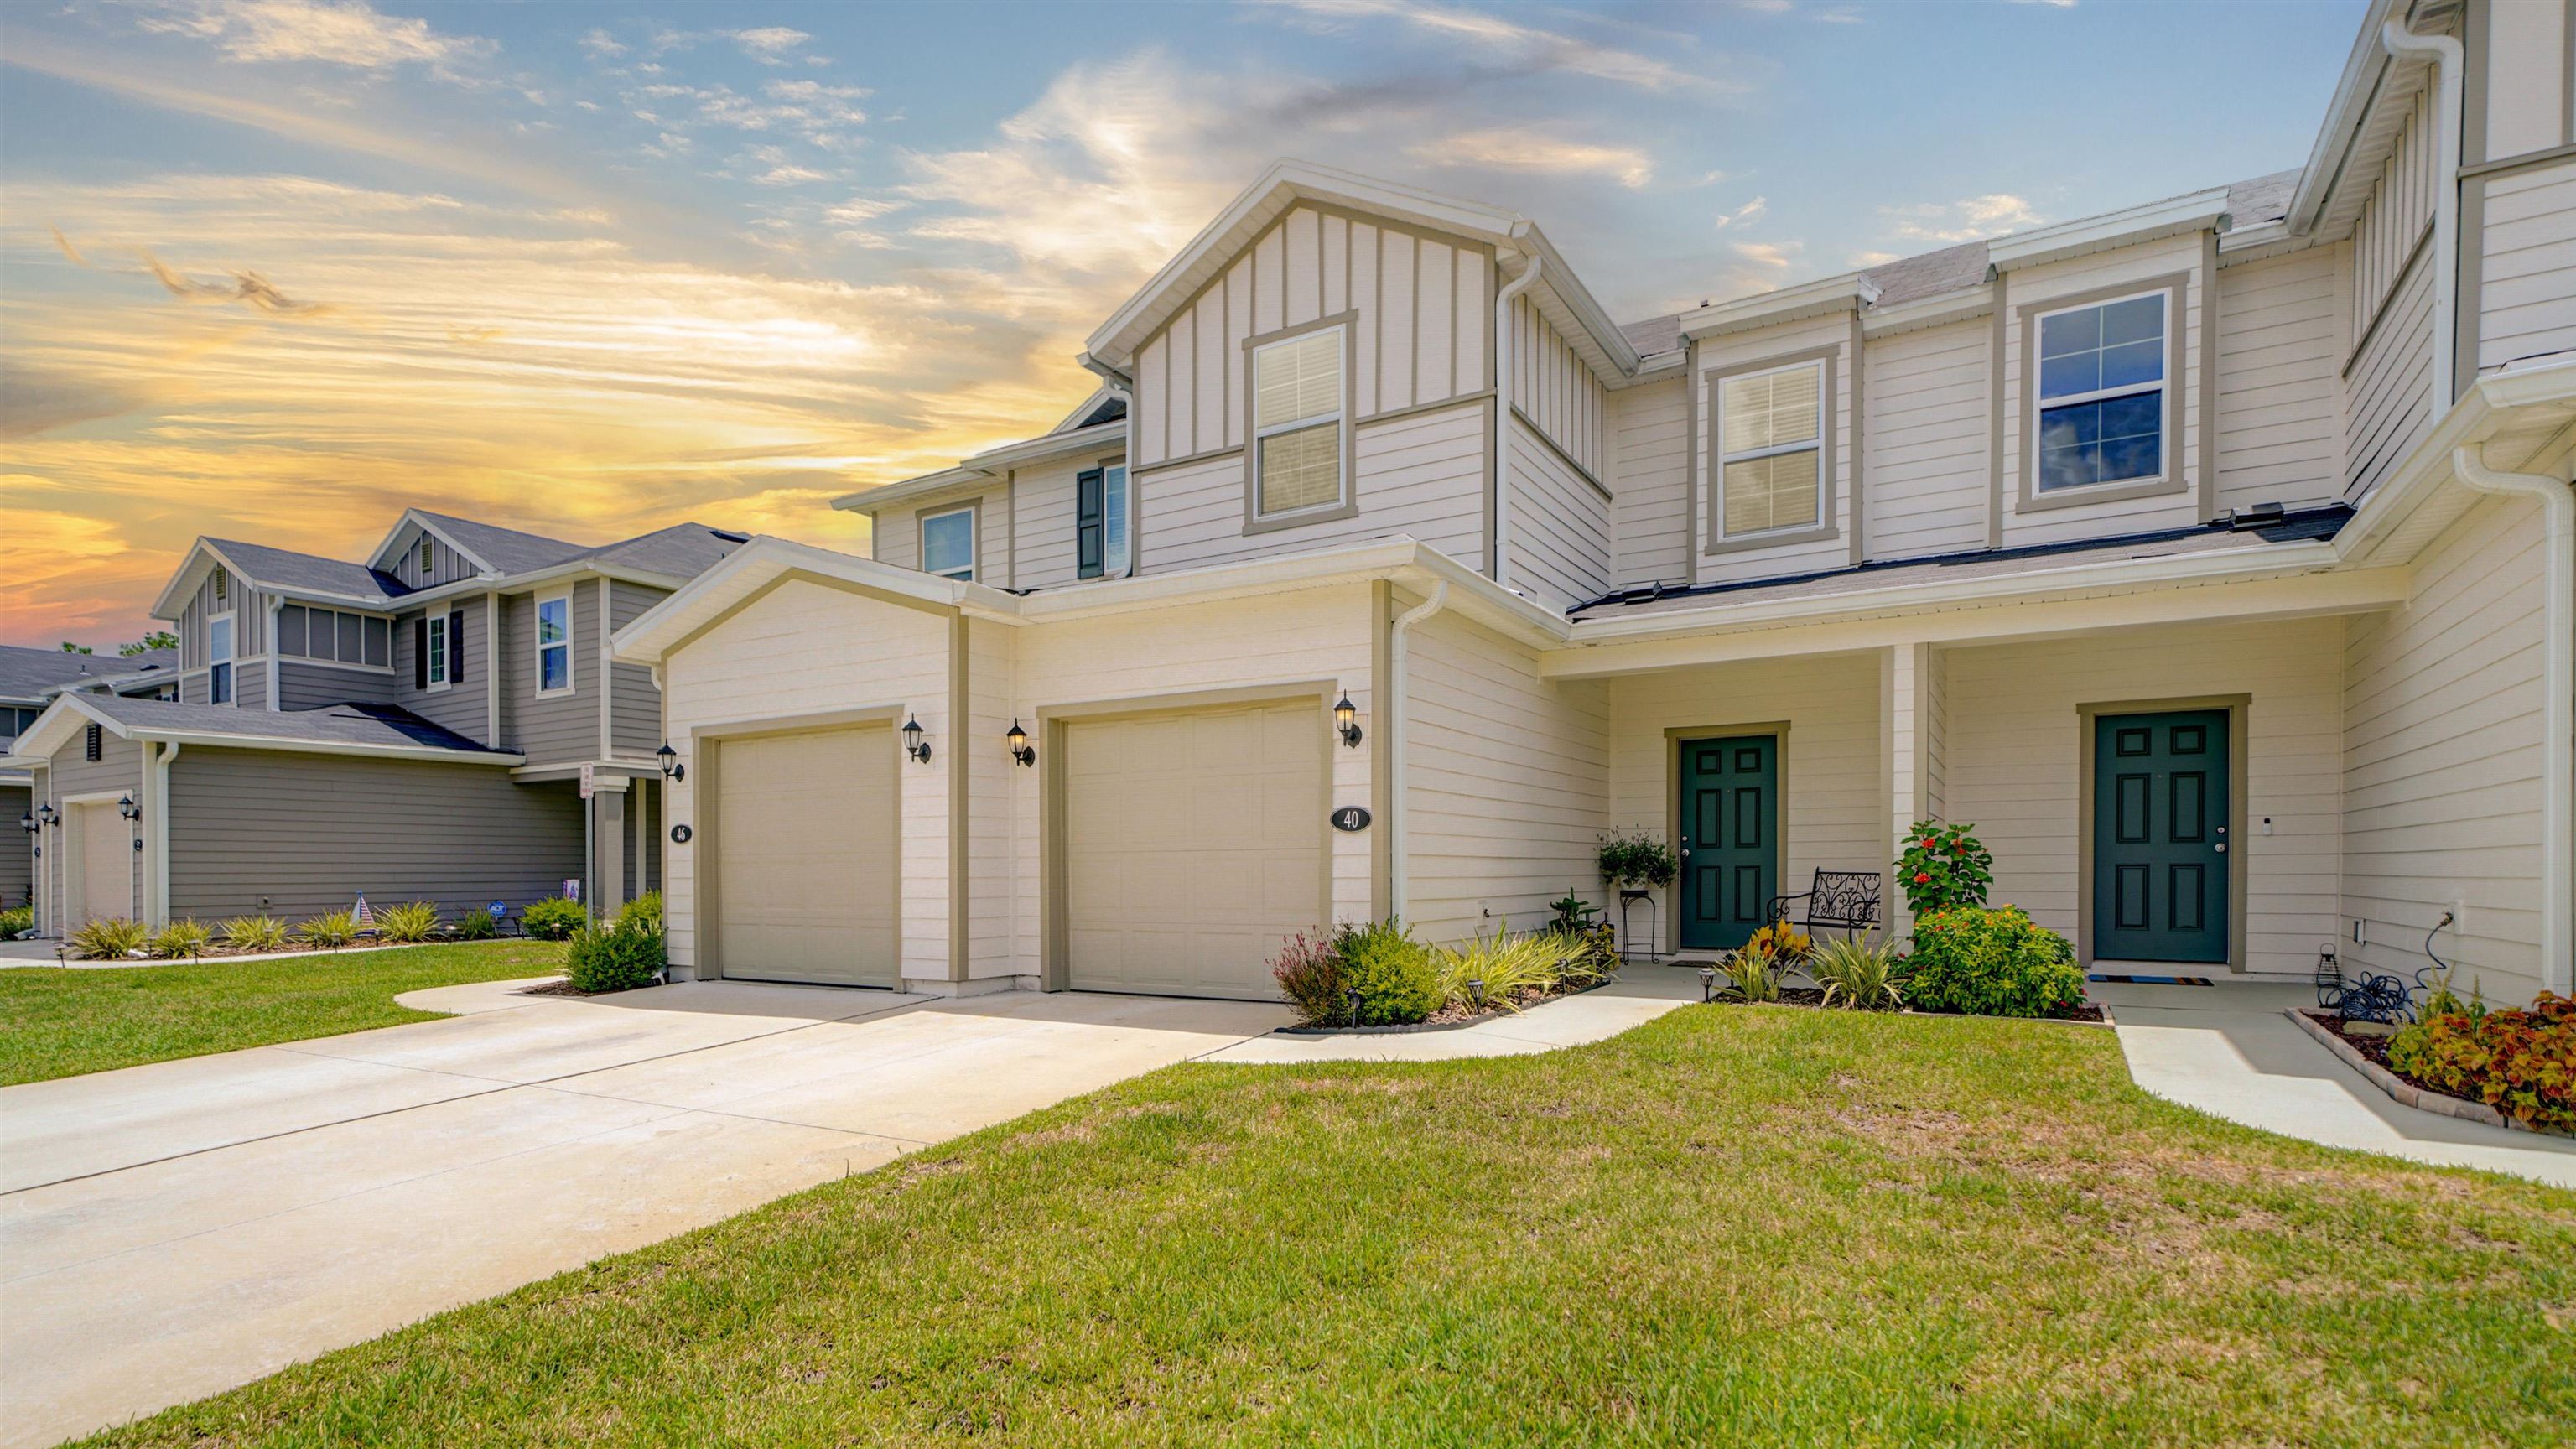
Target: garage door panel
{"type": "Point", "coordinates": [1194, 843]}
{"type": "Point", "coordinates": [805, 857]}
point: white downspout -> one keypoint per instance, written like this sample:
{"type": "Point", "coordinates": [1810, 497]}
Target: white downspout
{"type": "Point", "coordinates": [1398, 901]}
{"type": "Point", "coordinates": [2558, 705]}
{"type": "Point", "coordinates": [2445, 53]}
{"type": "Point", "coordinates": [1503, 416]}
{"type": "Point", "coordinates": [160, 825]}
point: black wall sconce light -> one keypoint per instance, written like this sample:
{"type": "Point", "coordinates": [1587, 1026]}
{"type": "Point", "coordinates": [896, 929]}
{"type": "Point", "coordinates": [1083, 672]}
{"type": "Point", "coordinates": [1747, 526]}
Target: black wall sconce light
{"type": "Point", "coordinates": [672, 769]}
{"type": "Point", "coordinates": [48, 815]}
{"type": "Point", "coordinates": [1346, 721]}
{"type": "Point", "coordinates": [28, 824]}
{"type": "Point", "coordinates": [127, 808]}
{"type": "Point", "coordinates": [913, 744]}
{"type": "Point", "coordinates": [1021, 749]}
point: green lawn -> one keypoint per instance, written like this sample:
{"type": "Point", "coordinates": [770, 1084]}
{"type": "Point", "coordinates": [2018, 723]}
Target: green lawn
{"type": "Point", "coordinates": [61, 1021]}
{"type": "Point", "coordinates": [1731, 1226]}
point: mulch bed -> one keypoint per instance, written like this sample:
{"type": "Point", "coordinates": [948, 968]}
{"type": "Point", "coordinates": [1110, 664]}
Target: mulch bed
{"type": "Point", "coordinates": [562, 987]}
{"type": "Point", "coordinates": [2374, 1048]}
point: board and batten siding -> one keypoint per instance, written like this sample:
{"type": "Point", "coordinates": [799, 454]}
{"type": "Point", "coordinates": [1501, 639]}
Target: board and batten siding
{"type": "Point", "coordinates": [446, 564]}
{"type": "Point", "coordinates": [2013, 747]}
{"type": "Point", "coordinates": [1554, 389]}
{"type": "Point", "coordinates": [557, 728]}
{"type": "Point", "coordinates": [1925, 458]}
{"type": "Point", "coordinates": [464, 707]}
{"type": "Point", "coordinates": [295, 835]}
{"type": "Point", "coordinates": [2527, 265]}
{"type": "Point", "coordinates": [1506, 779]}
{"type": "Point", "coordinates": [2441, 759]}
{"type": "Point", "coordinates": [2388, 369]}
{"type": "Point", "coordinates": [1649, 427]}
{"type": "Point", "coordinates": [2280, 339]}
{"type": "Point", "coordinates": [807, 649]}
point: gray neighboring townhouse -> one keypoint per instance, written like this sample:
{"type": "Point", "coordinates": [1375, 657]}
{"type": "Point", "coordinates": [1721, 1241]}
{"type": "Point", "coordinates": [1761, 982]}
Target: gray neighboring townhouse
{"type": "Point", "coordinates": [30, 679]}
{"type": "Point", "coordinates": [415, 726]}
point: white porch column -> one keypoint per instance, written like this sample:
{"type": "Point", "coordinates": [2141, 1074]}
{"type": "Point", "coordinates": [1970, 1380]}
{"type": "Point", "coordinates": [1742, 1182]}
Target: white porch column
{"type": "Point", "coordinates": [1909, 730]}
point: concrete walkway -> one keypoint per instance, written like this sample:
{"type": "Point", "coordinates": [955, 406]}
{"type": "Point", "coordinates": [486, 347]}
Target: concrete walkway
{"type": "Point", "coordinates": [1641, 994]}
{"type": "Point", "coordinates": [172, 1230]}
{"type": "Point", "coordinates": [2227, 1050]}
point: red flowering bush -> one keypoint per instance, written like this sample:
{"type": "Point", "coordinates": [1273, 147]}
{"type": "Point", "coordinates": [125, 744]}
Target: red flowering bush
{"type": "Point", "coordinates": [1943, 866]}
{"type": "Point", "coordinates": [2522, 1063]}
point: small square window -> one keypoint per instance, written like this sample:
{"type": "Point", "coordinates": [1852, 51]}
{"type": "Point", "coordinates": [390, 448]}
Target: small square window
{"type": "Point", "coordinates": [948, 544]}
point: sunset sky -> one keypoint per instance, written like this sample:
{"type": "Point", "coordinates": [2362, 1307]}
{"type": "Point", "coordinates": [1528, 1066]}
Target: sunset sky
{"type": "Point", "coordinates": [275, 269]}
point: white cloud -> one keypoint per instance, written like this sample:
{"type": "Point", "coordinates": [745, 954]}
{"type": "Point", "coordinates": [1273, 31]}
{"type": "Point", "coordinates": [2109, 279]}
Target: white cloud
{"type": "Point", "coordinates": [769, 44]}
{"type": "Point", "coordinates": [1839, 15]}
{"type": "Point", "coordinates": [600, 45]}
{"type": "Point", "coordinates": [1516, 43]}
{"type": "Point", "coordinates": [349, 34]}
{"type": "Point", "coordinates": [1514, 150]}
{"type": "Point", "coordinates": [1769, 257]}
{"type": "Point", "coordinates": [1749, 211]}
{"type": "Point", "coordinates": [1948, 223]}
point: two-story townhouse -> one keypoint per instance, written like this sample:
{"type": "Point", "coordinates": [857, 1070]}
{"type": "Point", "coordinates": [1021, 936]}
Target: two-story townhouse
{"type": "Point", "coordinates": [2216, 557]}
{"type": "Point", "coordinates": [441, 721]}
{"type": "Point", "coordinates": [31, 679]}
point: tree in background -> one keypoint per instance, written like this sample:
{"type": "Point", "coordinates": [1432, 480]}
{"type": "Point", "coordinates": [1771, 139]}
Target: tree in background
{"type": "Point", "coordinates": [71, 648]}
{"type": "Point", "coordinates": [157, 639]}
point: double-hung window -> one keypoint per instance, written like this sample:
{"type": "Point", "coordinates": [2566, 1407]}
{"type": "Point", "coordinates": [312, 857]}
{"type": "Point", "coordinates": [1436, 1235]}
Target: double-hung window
{"type": "Point", "coordinates": [948, 544]}
{"type": "Point", "coordinates": [1100, 513]}
{"type": "Point", "coordinates": [433, 634]}
{"type": "Point", "coordinates": [1297, 412]}
{"type": "Point", "coordinates": [1771, 450]}
{"type": "Point", "coordinates": [219, 659]}
{"type": "Point", "coordinates": [554, 644]}
{"type": "Point", "coordinates": [2102, 394]}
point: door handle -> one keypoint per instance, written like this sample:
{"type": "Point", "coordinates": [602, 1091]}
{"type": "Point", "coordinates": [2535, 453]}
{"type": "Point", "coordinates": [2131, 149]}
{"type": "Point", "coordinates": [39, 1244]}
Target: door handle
{"type": "Point", "coordinates": [2222, 847]}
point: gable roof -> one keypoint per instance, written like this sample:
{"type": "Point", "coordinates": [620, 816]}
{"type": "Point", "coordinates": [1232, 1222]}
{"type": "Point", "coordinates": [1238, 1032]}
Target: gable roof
{"type": "Point", "coordinates": [498, 550]}
{"type": "Point", "coordinates": [342, 729]}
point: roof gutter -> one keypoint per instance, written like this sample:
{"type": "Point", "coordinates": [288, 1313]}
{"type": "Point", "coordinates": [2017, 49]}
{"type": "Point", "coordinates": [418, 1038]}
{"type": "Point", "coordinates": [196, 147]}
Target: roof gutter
{"type": "Point", "coordinates": [2446, 55]}
{"type": "Point", "coordinates": [2558, 702]}
{"type": "Point", "coordinates": [1503, 415]}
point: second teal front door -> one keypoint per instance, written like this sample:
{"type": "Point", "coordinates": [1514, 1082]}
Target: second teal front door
{"type": "Point", "coordinates": [1730, 839]}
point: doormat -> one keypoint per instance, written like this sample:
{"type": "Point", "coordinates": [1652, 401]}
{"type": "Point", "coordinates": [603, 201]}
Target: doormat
{"type": "Point", "coordinates": [2155, 980]}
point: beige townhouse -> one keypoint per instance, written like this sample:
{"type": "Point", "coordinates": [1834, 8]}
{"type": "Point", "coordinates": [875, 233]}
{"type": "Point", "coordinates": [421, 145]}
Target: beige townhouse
{"type": "Point", "coordinates": [2213, 556]}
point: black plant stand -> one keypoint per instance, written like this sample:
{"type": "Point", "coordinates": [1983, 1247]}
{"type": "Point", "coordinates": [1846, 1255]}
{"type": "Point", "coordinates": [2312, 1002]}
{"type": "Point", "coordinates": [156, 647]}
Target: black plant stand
{"type": "Point", "coordinates": [1654, 923]}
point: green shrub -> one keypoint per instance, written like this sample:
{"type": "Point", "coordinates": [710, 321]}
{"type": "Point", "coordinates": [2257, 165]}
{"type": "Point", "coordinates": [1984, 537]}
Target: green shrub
{"type": "Point", "coordinates": [1943, 866]}
{"type": "Point", "coordinates": [1755, 971]}
{"type": "Point", "coordinates": [1587, 955]}
{"type": "Point", "coordinates": [554, 918]}
{"type": "Point", "coordinates": [17, 921]}
{"type": "Point", "coordinates": [412, 921]}
{"type": "Point", "coordinates": [109, 938]}
{"type": "Point", "coordinates": [1309, 973]}
{"type": "Point", "coordinates": [645, 911]}
{"type": "Point", "coordinates": [620, 958]}
{"type": "Point", "coordinates": [255, 933]}
{"type": "Point", "coordinates": [1633, 858]}
{"type": "Point", "coordinates": [2520, 1062]}
{"type": "Point", "coordinates": [181, 940]}
{"type": "Point", "coordinates": [1856, 973]}
{"type": "Point", "coordinates": [477, 925]}
{"type": "Point", "coordinates": [1508, 965]}
{"type": "Point", "coordinates": [1990, 963]}
{"type": "Point", "coordinates": [331, 931]}
{"type": "Point", "coordinates": [1391, 971]}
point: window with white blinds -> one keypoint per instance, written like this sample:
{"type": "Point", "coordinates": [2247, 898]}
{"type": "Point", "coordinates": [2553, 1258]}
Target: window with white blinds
{"type": "Point", "coordinates": [1297, 423]}
{"type": "Point", "coordinates": [1770, 433]}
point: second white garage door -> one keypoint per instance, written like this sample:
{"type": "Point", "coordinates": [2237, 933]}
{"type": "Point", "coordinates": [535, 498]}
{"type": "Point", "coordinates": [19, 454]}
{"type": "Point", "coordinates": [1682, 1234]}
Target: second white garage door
{"type": "Point", "coordinates": [804, 847]}
{"type": "Point", "coordinates": [1193, 843]}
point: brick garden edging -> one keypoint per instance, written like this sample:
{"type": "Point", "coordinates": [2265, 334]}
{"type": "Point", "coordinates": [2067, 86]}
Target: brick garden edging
{"type": "Point", "coordinates": [2406, 1093]}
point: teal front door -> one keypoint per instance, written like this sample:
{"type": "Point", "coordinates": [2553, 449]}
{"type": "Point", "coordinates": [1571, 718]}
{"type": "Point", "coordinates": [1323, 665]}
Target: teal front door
{"type": "Point", "coordinates": [2160, 838]}
{"type": "Point", "coordinates": [1730, 839]}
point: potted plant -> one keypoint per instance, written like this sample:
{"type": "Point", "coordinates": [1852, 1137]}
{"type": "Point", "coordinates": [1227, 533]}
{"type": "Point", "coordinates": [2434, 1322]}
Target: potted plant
{"type": "Point", "coordinates": [1637, 860]}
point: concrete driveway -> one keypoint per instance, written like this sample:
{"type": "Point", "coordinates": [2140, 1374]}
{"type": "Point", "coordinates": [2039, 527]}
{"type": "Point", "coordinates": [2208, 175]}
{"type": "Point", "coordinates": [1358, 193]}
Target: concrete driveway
{"type": "Point", "coordinates": [173, 1230]}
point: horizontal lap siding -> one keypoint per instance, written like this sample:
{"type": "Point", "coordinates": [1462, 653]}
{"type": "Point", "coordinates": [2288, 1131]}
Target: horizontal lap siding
{"type": "Point", "coordinates": [2014, 750]}
{"type": "Point", "coordinates": [1832, 784]}
{"type": "Point", "coordinates": [2386, 386]}
{"type": "Point", "coordinates": [992, 801]}
{"type": "Point", "coordinates": [2280, 338]}
{"type": "Point", "coordinates": [1926, 474]}
{"type": "Point", "coordinates": [464, 707]}
{"type": "Point", "coordinates": [17, 857]}
{"type": "Point", "coordinates": [551, 728]}
{"type": "Point", "coordinates": [808, 649]}
{"type": "Point", "coordinates": [1751, 350]}
{"type": "Point", "coordinates": [635, 718]}
{"type": "Point", "coordinates": [305, 685]}
{"type": "Point", "coordinates": [1560, 525]}
{"type": "Point", "coordinates": [310, 832]}
{"type": "Point", "coordinates": [1507, 781]}
{"type": "Point", "coordinates": [2527, 297]}
{"type": "Point", "coordinates": [1649, 478]}
{"type": "Point", "coordinates": [1042, 541]}
{"type": "Point", "coordinates": [1421, 475]}
{"type": "Point", "coordinates": [2442, 759]}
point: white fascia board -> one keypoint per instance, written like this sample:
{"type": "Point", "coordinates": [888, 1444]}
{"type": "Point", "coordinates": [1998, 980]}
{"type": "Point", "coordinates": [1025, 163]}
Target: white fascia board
{"type": "Point", "coordinates": [1932, 311]}
{"type": "Point", "coordinates": [1818, 298]}
{"type": "Point", "coordinates": [212, 739]}
{"type": "Point", "coordinates": [982, 468]}
{"type": "Point", "coordinates": [2199, 211]}
{"type": "Point", "coordinates": [1615, 357]}
{"type": "Point", "coordinates": [481, 584]}
{"type": "Point", "coordinates": [2219, 566]}
{"type": "Point", "coordinates": [2482, 411]}
{"type": "Point", "coordinates": [754, 565]}
{"type": "Point", "coordinates": [68, 712]}
{"type": "Point", "coordinates": [172, 598]}
{"type": "Point", "coordinates": [376, 560]}
{"type": "Point", "coordinates": [2346, 114]}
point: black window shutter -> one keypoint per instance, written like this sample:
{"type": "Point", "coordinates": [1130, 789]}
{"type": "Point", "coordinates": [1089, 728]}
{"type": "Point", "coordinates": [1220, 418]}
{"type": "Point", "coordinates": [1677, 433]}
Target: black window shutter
{"type": "Point", "coordinates": [420, 652]}
{"type": "Point", "coordinates": [456, 647]}
{"type": "Point", "coordinates": [1086, 523]}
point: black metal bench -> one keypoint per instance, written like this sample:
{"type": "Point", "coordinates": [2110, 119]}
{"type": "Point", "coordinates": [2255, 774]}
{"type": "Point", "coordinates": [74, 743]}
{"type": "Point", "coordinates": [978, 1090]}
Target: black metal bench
{"type": "Point", "coordinates": [1842, 900]}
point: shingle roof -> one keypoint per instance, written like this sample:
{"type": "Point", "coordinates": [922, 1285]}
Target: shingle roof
{"type": "Point", "coordinates": [338, 724]}
{"type": "Point", "coordinates": [507, 549]}
{"type": "Point", "coordinates": [285, 568]}
{"type": "Point", "coordinates": [684, 550]}
{"type": "Point", "coordinates": [25, 674]}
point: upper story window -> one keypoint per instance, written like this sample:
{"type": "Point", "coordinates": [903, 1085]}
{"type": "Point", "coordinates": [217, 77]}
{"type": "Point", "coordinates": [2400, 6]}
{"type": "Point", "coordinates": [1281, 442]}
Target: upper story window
{"type": "Point", "coordinates": [1297, 408]}
{"type": "Point", "coordinates": [332, 636]}
{"type": "Point", "coordinates": [219, 658]}
{"type": "Point", "coordinates": [428, 559]}
{"type": "Point", "coordinates": [2102, 393]}
{"type": "Point", "coordinates": [948, 544]}
{"type": "Point", "coordinates": [433, 633]}
{"type": "Point", "coordinates": [554, 644]}
{"type": "Point", "coordinates": [1771, 443]}
{"type": "Point", "coordinates": [1100, 514]}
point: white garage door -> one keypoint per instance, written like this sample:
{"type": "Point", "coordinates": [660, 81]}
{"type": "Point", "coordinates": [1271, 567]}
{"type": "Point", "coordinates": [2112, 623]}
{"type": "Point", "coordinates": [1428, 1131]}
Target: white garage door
{"type": "Point", "coordinates": [1193, 843]}
{"type": "Point", "coordinates": [805, 858]}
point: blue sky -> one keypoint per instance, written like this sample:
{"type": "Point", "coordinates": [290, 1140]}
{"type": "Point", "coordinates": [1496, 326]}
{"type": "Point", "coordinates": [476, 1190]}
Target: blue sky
{"type": "Point", "coordinates": [275, 268]}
